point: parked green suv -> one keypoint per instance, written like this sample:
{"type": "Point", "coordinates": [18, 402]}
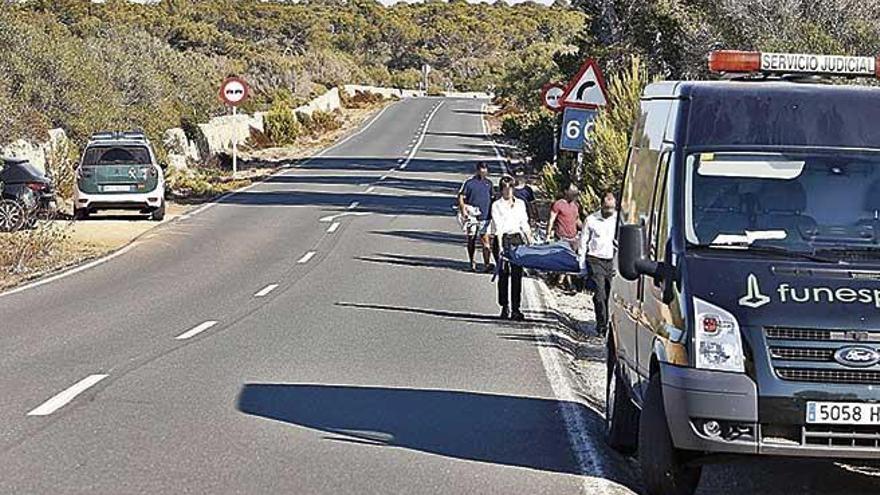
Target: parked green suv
{"type": "Point", "coordinates": [119, 171]}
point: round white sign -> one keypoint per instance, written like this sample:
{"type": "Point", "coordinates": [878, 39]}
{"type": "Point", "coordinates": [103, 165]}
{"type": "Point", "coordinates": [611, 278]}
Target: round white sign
{"type": "Point", "coordinates": [551, 96]}
{"type": "Point", "coordinates": [233, 91]}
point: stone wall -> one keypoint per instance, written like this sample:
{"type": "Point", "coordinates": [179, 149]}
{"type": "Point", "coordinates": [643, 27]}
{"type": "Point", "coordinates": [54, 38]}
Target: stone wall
{"type": "Point", "coordinates": [37, 153]}
{"type": "Point", "coordinates": [217, 134]}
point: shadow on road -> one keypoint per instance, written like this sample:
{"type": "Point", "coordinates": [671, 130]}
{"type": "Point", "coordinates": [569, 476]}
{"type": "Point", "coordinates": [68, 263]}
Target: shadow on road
{"type": "Point", "coordinates": [342, 180]}
{"type": "Point", "coordinates": [499, 429]}
{"type": "Point", "coordinates": [455, 166]}
{"type": "Point", "coordinates": [457, 134]}
{"type": "Point", "coordinates": [374, 203]}
{"type": "Point", "coordinates": [417, 261]}
{"type": "Point", "coordinates": [469, 317]}
{"type": "Point", "coordinates": [440, 237]}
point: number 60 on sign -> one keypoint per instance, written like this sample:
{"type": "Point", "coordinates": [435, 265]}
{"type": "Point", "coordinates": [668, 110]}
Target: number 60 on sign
{"type": "Point", "coordinates": [576, 125]}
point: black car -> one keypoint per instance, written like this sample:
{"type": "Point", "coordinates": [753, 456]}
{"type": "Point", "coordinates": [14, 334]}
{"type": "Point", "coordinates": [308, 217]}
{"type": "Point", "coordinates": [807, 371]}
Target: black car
{"type": "Point", "coordinates": [27, 194]}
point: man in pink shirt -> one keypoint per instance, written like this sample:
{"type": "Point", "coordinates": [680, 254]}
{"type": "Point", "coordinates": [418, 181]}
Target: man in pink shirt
{"type": "Point", "coordinates": [565, 218]}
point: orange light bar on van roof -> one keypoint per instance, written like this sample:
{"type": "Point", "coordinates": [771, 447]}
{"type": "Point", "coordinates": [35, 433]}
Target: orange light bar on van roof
{"type": "Point", "coordinates": [732, 61]}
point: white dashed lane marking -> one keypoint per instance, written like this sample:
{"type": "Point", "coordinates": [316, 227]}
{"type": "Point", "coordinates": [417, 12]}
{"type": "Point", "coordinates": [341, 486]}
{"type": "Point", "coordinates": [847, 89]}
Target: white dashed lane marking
{"type": "Point", "coordinates": [333, 228]}
{"type": "Point", "coordinates": [63, 398]}
{"type": "Point", "coordinates": [353, 205]}
{"type": "Point", "coordinates": [266, 290]}
{"type": "Point", "coordinates": [306, 257]}
{"type": "Point", "coordinates": [196, 330]}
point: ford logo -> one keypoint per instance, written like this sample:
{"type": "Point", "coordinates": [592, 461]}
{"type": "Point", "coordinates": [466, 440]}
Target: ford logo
{"type": "Point", "coordinates": [857, 356]}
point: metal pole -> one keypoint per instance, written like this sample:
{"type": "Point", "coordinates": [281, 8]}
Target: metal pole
{"type": "Point", "coordinates": [555, 141]}
{"type": "Point", "coordinates": [234, 145]}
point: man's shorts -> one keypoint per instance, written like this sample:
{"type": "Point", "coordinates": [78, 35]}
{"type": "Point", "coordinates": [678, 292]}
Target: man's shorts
{"type": "Point", "coordinates": [477, 227]}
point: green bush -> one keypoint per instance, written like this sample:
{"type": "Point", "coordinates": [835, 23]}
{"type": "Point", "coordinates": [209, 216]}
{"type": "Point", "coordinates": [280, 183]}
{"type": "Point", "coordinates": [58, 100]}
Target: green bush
{"type": "Point", "coordinates": [281, 124]}
{"type": "Point", "coordinates": [605, 162]}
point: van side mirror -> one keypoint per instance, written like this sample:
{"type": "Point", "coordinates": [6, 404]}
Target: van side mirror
{"type": "Point", "coordinates": [631, 258]}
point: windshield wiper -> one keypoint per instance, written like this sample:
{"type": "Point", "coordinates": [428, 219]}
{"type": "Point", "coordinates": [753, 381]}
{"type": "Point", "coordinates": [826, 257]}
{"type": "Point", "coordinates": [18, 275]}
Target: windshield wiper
{"type": "Point", "coordinates": [745, 246]}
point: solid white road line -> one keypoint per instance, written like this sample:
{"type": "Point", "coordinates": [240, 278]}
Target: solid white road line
{"type": "Point", "coordinates": [266, 290]}
{"type": "Point", "coordinates": [421, 139]}
{"type": "Point", "coordinates": [60, 400]}
{"type": "Point", "coordinates": [306, 257]}
{"type": "Point", "coordinates": [483, 110]}
{"type": "Point", "coordinates": [333, 228]}
{"type": "Point", "coordinates": [353, 205]}
{"type": "Point", "coordinates": [589, 461]}
{"type": "Point", "coordinates": [196, 330]}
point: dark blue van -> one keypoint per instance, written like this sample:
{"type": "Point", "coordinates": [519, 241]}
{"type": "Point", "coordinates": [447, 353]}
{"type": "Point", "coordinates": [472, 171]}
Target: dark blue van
{"type": "Point", "coordinates": [746, 319]}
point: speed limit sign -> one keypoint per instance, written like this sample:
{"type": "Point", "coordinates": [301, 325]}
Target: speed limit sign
{"type": "Point", "coordinates": [234, 91]}
{"type": "Point", "coordinates": [576, 126]}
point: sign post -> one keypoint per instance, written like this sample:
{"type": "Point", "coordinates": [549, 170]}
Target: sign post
{"type": "Point", "coordinates": [234, 91]}
{"type": "Point", "coordinates": [551, 95]}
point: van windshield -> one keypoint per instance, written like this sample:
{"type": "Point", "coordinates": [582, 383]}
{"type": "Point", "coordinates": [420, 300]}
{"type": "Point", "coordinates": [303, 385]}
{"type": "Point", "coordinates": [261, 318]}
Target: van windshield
{"type": "Point", "coordinates": [804, 202]}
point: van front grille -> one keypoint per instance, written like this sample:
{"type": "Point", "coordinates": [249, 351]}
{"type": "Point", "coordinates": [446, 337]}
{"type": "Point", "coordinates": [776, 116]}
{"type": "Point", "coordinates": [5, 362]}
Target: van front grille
{"type": "Point", "coordinates": [807, 354]}
{"type": "Point", "coordinates": [842, 436]}
{"type": "Point", "coordinates": [801, 354]}
{"type": "Point", "coordinates": [846, 376]}
{"type": "Point", "coordinates": [797, 333]}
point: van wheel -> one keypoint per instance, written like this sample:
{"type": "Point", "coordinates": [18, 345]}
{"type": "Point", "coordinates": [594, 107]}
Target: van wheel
{"type": "Point", "coordinates": [159, 213]}
{"type": "Point", "coordinates": [80, 213]}
{"type": "Point", "coordinates": [621, 415]}
{"type": "Point", "coordinates": [664, 471]}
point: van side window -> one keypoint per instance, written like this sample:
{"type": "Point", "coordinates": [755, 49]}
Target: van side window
{"type": "Point", "coordinates": [641, 173]}
{"type": "Point", "coordinates": [659, 215]}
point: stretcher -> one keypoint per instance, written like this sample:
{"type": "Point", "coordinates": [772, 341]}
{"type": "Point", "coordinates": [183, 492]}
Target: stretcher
{"type": "Point", "coordinates": [555, 257]}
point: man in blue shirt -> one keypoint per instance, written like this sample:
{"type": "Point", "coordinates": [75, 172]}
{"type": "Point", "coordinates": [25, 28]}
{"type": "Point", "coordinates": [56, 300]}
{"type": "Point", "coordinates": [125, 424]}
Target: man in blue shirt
{"type": "Point", "coordinates": [522, 190]}
{"type": "Point", "coordinates": [475, 210]}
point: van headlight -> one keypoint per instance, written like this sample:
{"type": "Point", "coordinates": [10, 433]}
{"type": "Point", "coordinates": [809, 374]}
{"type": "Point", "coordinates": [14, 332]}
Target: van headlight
{"type": "Point", "coordinates": [717, 338]}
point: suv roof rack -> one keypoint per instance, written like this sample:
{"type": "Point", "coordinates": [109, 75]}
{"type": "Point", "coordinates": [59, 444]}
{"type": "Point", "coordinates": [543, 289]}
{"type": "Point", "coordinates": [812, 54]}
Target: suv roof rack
{"type": "Point", "coordinates": [110, 135]}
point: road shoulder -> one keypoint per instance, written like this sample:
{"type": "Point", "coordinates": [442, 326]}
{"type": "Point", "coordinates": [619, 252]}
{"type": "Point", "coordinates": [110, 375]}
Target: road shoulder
{"type": "Point", "coordinates": [574, 364]}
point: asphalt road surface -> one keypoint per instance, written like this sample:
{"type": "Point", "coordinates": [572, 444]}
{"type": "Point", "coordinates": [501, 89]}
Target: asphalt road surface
{"type": "Point", "coordinates": [315, 333]}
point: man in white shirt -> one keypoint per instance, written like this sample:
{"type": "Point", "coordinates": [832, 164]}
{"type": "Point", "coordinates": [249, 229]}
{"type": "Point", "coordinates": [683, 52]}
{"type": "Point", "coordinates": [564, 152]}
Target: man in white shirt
{"type": "Point", "coordinates": [510, 222]}
{"type": "Point", "coordinates": [597, 248]}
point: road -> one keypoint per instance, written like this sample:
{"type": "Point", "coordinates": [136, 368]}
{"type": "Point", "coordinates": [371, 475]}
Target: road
{"type": "Point", "coordinates": [372, 364]}
{"type": "Point", "coordinates": [318, 332]}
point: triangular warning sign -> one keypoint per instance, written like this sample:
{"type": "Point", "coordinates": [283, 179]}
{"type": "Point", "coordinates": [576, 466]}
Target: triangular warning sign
{"type": "Point", "coordinates": [587, 88]}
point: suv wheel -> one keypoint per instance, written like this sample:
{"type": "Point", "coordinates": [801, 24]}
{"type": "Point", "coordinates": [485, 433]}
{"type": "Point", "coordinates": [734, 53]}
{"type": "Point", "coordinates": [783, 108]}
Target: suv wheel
{"type": "Point", "coordinates": [664, 468]}
{"type": "Point", "coordinates": [80, 213]}
{"type": "Point", "coordinates": [159, 213]}
{"type": "Point", "coordinates": [12, 215]}
{"type": "Point", "coordinates": [621, 415]}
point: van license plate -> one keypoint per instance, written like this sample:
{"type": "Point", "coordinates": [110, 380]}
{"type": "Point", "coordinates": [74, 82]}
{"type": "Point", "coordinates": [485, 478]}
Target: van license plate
{"type": "Point", "coordinates": [843, 413]}
{"type": "Point", "coordinates": [117, 188]}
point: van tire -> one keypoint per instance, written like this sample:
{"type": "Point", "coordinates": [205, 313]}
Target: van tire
{"type": "Point", "coordinates": [80, 213]}
{"type": "Point", "coordinates": [158, 214]}
{"type": "Point", "coordinates": [621, 415]}
{"type": "Point", "coordinates": [664, 469]}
